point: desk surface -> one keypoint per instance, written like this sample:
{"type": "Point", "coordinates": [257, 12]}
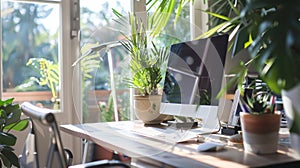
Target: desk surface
{"type": "Point", "coordinates": [132, 138]}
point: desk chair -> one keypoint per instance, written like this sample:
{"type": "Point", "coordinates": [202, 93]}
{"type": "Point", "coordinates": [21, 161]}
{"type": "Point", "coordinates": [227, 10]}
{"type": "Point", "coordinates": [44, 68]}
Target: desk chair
{"type": "Point", "coordinates": [45, 131]}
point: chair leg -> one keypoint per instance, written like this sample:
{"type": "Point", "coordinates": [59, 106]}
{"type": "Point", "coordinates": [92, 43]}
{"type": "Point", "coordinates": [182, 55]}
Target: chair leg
{"type": "Point", "coordinates": [85, 150]}
{"type": "Point", "coordinates": [50, 155]}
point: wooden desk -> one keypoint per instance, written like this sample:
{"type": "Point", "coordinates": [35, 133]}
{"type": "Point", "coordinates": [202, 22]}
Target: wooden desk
{"type": "Point", "coordinates": [123, 137]}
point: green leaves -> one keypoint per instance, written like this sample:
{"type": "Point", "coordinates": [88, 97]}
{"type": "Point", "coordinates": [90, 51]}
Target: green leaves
{"type": "Point", "coordinates": [146, 70]}
{"type": "Point", "coordinates": [256, 98]}
{"type": "Point", "coordinates": [277, 43]}
{"type": "Point", "coordinates": [8, 157]}
{"type": "Point", "coordinates": [162, 14]}
{"type": "Point", "coordinates": [10, 116]}
{"type": "Point", "coordinates": [146, 80]}
{"type": "Point", "coordinates": [146, 59]}
{"type": "Point", "coordinates": [7, 139]}
{"type": "Point", "coordinates": [49, 73]}
{"type": "Point", "coordinates": [9, 119]}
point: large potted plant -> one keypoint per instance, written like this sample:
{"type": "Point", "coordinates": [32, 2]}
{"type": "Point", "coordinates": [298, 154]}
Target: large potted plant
{"type": "Point", "coordinates": [259, 121]}
{"type": "Point", "coordinates": [9, 120]}
{"type": "Point", "coordinates": [146, 61]}
{"type": "Point", "coordinates": [270, 30]}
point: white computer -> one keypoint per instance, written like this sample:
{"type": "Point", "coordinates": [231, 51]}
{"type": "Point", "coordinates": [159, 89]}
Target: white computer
{"type": "Point", "coordinates": [193, 79]}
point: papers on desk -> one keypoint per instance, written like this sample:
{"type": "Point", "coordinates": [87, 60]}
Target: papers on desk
{"type": "Point", "coordinates": [167, 135]}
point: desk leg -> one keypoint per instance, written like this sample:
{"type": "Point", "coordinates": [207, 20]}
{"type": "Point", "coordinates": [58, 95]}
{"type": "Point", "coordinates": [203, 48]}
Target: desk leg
{"type": "Point", "coordinates": [85, 150]}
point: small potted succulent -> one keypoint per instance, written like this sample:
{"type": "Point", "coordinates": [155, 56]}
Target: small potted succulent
{"type": "Point", "coordinates": [260, 121]}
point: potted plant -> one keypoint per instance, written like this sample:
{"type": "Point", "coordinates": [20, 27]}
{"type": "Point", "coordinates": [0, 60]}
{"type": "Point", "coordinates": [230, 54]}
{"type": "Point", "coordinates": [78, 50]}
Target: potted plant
{"type": "Point", "coordinates": [259, 121]}
{"type": "Point", "coordinates": [270, 30]}
{"type": "Point", "coordinates": [9, 120]}
{"type": "Point", "coordinates": [276, 50]}
{"type": "Point", "coordinates": [146, 61]}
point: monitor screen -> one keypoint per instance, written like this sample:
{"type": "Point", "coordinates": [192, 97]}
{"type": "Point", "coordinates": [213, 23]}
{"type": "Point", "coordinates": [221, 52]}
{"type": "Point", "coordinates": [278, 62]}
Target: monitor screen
{"type": "Point", "coordinates": [194, 72]}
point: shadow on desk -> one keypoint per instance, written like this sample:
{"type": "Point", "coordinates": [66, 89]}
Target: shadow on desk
{"type": "Point", "coordinates": [293, 164]}
{"type": "Point", "coordinates": [100, 153]}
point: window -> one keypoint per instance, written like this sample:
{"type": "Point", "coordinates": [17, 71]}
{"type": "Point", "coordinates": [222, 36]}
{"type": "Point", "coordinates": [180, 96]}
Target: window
{"type": "Point", "coordinates": [30, 52]}
{"type": "Point", "coordinates": [97, 27]}
{"type": "Point", "coordinates": [34, 29]}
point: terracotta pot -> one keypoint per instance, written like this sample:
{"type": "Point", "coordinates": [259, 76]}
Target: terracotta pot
{"type": "Point", "coordinates": [147, 109]}
{"type": "Point", "coordinates": [260, 132]}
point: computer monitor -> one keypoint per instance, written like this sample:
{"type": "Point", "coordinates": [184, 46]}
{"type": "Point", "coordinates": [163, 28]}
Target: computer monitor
{"type": "Point", "coordinates": [193, 78]}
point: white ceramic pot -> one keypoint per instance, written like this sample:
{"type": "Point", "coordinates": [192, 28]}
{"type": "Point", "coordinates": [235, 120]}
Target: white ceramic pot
{"type": "Point", "coordinates": [147, 109]}
{"type": "Point", "coordinates": [291, 104]}
{"type": "Point", "coordinates": [260, 132]}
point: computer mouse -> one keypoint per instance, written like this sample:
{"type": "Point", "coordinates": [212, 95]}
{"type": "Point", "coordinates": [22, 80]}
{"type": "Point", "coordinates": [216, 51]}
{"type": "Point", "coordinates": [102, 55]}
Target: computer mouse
{"type": "Point", "coordinates": [210, 146]}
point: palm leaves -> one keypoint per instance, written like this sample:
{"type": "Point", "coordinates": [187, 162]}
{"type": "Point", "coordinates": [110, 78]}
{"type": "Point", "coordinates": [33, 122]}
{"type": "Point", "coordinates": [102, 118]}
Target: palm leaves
{"type": "Point", "coordinates": [145, 58]}
{"type": "Point", "coordinates": [276, 41]}
{"type": "Point", "coordinates": [162, 14]}
{"type": "Point", "coordinates": [89, 62]}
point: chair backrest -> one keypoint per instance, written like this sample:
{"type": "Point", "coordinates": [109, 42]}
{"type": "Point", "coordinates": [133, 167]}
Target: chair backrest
{"type": "Point", "coordinates": [45, 132]}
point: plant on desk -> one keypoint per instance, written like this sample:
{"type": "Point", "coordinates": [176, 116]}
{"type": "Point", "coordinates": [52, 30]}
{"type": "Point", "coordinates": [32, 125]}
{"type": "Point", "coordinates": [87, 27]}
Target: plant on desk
{"type": "Point", "coordinates": [146, 61]}
{"type": "Point", "coordinates": [270, 30]}
{"type": "Point", "coordinates": [260, 123]}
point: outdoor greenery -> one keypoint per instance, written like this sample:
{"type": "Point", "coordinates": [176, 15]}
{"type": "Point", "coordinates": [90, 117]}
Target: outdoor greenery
{"type": "Point", "coordinates": [49, 74]}
{"type": "Point", "coordinates": [24, 37]}
{"type": "Point", "coordinates": [9, 120]}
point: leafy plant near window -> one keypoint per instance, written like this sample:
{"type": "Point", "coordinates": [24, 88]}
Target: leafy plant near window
{"type": "Point", "coordinates": [49, 71]}
{"type": "Point", "coordinates": [146, 59]}
{"type": "Point", "coordinates": [49, 74]}
{"type": "Point", "coordinates": [9, 120]}
{"type": "Point", "coordinates": [107, 110]}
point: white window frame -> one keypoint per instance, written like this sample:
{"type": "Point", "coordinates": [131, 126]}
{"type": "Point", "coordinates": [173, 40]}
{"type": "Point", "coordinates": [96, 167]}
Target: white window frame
{"type": "Point", "coordinates": [70, 93]}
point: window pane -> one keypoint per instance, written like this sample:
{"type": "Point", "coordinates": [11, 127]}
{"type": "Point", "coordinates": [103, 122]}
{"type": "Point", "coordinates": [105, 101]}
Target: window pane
{"type": "Point", "coordinates": [30, 52]}
{"type": "Point", "coordinates": [98, 27]}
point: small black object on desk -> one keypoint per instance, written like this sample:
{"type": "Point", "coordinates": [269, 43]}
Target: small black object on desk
{"type": "Point", "coordinates": [230, 129]}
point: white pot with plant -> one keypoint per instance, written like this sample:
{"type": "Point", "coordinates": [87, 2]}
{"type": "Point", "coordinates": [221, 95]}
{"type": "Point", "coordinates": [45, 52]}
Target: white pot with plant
{"type": "Point", "coordinates": [276, 51]}
{"type": "Point", "coordinates": [146, 62]}
{"type": "Point", "coordinates": [259, 120]}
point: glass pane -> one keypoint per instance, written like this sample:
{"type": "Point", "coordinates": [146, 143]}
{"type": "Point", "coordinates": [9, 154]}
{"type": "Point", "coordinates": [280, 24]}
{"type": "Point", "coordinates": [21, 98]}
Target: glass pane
{"type": "Point", "coordinates": [30, 52]}
{"type": "Point", "coordinates": [98, 27]}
